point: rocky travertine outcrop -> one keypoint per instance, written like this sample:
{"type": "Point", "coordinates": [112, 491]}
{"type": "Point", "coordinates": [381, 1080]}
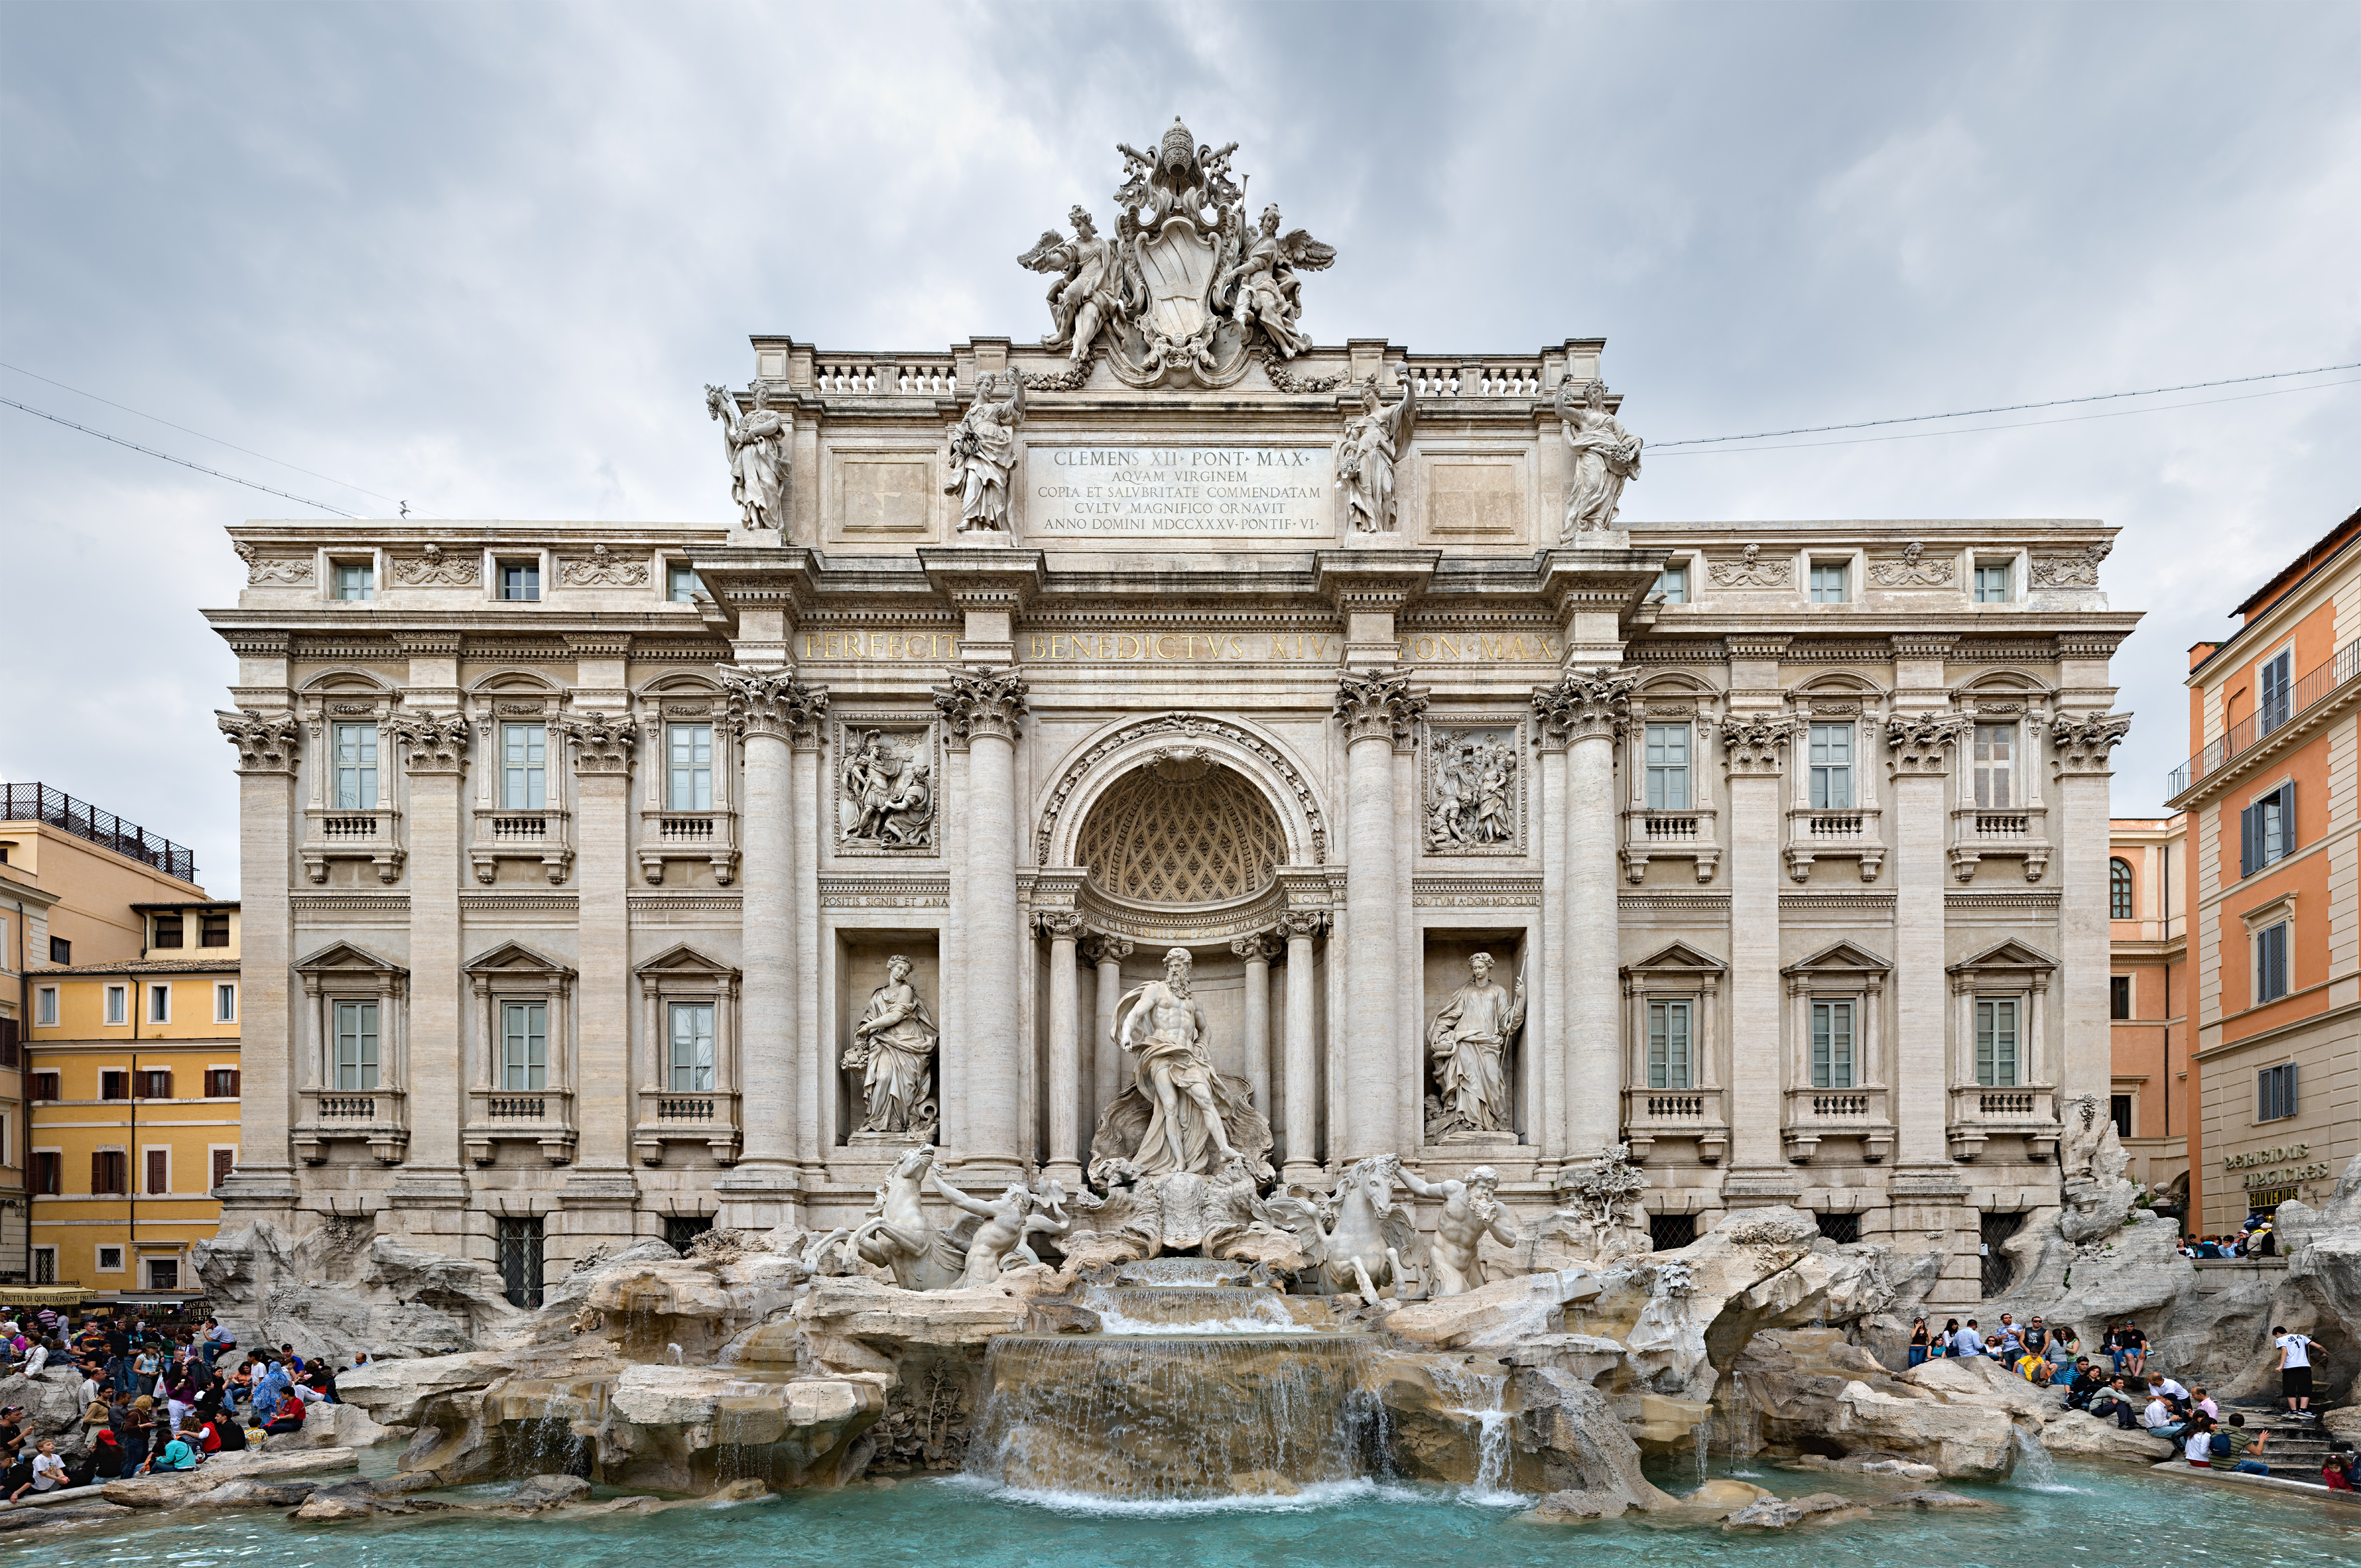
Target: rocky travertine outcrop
{"type": "Point", "coordinates": [175, 1488]}
{"type": "Point", "coordinates": [344, 1288]}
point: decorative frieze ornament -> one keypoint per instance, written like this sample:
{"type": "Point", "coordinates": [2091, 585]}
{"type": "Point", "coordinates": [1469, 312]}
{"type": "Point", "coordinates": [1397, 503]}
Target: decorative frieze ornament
{"type": "Point", "coordinates": [430, 742]}
{"type": "Point", "coordinates": [274, 571]}
{"type": "Point", "coordinates": [1606, 457]}
{"type": "Point", "coordinates": [1471, 790]}
{"type": "Point", "coordinates": [982, 702]}
{"type": "Point", "coordinates": [1749, 569]}
{"type": "Point", "coordinates": [1757, 742]}
{"type": "Point", "coordinates": [434, 567]}
{"type": "Point", "coordinates": [1911, 569]}
{"type": "Point", "coordinates": [1921, 742]}
{"type": "Point", "coordinates": [1187, 287]}
{"type": "Point", "coordinates": [886, 790]}
{"type": "Point", "coordinates": [983, 451]}
{"type": "Point", "coordinates": [1380, 704]}
{"type": "Point", "coordinates": [757, 446]}
{"type": "Point", "coordinates": [1585, 703]}
{"type": "Point", "coordinates": [2076, 571]}
{"type": "Point", "coordinates": [772, 702]}
{"type": "Point", "coordinates": [602, 741]}
{"type": "Point", "coordinates": [602, 569]}
{"type": "Point", "coordinates": [266, 742]}
{"type": "Point", "coordinates": [2086, 742]}
{"type": "Point", "coordinates": [1374, 440]}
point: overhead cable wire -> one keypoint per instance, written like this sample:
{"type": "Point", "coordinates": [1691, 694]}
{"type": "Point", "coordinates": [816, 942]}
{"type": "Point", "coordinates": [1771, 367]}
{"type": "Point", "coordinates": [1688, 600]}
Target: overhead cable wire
{"type": "Point", "coordinates": [2004, 408]}
{"type": "Point", "coordinates": [2023, 424]}
{"type": "Point", "coordinates": [249, 484]}
{"type": "Point", "coordinates": [199, 434]}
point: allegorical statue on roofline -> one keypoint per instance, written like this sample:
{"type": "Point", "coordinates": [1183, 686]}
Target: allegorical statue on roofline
{"type": "Point", "coordinates": [756, 442]}
{"type": "Point", "coordinates": [1187, 289]}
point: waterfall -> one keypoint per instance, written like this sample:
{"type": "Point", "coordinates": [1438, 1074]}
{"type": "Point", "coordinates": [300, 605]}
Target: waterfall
{"type": "Point", "coordinates": [1482, 1399]}
{"type": "Point", "coordinates": [2031, 1465]}
{"type": "Point", "coordinates": [1190, 1308]}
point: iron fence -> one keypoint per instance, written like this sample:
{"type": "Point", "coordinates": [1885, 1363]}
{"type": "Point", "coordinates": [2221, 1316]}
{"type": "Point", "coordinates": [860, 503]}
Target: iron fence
{"type": "Point", "coordinates": [40, 802]}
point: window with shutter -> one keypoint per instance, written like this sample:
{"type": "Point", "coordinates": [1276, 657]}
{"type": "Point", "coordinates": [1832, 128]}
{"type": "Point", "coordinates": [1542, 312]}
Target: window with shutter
{"type": "Point", "coordinates": [2274, 685]}
{"type": "Point", "coordinates": [2271, 963]}
{"type": "Point", "coordinates": [107, 1172]}
{"type": "Point", "coordinates": [224, 1162]}
{"type": "Point", "coordinates": [221, 1083]}
{"type": "Point", "coordinates": [160, 1171]}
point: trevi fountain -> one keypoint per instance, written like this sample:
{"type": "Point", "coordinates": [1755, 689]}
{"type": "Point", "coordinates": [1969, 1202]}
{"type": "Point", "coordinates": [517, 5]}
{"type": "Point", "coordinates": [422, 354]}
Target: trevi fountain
{"type": "Point", "coordinates": [1175, 943]}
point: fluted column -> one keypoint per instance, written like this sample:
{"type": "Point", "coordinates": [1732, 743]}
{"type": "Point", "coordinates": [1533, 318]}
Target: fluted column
{"type": "Point", "coordinates": [1587, 708]}
{"type": "Point", "coordinates": [1107, 952]}
{"type": "Point", "coordinates": [1378, 709]}
{"type": "Point", "coordinates": [981, 708]}
{"type": "Point", "coordinates": [266, 745]}
{"type": "Point", "coordinates": [1256, 951]}
{"type": "Point", "coordinates": [767, 706]}
{"type": "Point", "coordinates": [1064, 928]}
{"type": "Point", "coordinates": [1302, 1051]}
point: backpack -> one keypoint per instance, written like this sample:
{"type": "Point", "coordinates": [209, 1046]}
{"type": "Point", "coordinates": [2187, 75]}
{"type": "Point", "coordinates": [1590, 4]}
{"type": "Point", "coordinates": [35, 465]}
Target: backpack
{"type": "Point", "coordinates": [2219, 1445]}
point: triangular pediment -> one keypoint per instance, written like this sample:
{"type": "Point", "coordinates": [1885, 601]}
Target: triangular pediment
{"type": "Point", "coordinates": [515, 958]}
{"type": "Point", "coordinates": [1839, 956]}
{"type": "Point", "coordinates": [342, 957]}
{"type": "Point", "coordinates": [682, 960]}
{"type": "Point", "coordinates": [1679, 956]}
{"type": "Point", "coordinates": [2011, 954]}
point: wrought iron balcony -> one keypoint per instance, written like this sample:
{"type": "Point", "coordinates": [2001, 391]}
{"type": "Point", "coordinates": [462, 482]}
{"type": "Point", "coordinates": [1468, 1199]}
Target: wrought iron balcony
{"type": "Point", "coordinates": [2317, 686]}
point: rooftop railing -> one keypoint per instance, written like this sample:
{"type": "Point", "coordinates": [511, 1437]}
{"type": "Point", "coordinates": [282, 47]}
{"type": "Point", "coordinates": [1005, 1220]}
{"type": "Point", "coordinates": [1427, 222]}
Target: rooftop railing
{"type": "Point", "coordinates": [2276, 712]}
{"type": "Point", "coordinates": [40, 802]}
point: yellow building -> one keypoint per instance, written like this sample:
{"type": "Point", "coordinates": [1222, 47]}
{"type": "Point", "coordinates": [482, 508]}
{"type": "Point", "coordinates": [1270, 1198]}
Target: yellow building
{"type": "Point", "coordinates": [125, 996]}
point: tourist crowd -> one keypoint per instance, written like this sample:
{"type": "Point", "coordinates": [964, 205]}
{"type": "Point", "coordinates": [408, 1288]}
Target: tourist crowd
{"type": "Point", "coordinates": [2126, 1392]}
{"type": "Point", "coordinates": [2257, 1238]}
{"type": "Point", "coordinates": [154, 1398]}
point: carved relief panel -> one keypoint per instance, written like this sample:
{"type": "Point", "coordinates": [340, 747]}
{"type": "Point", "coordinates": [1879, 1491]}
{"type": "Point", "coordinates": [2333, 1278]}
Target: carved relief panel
{"type": "Point", "coordinates": [1472, 786]}
{"type": "Point", "coordinates": [886, 785]}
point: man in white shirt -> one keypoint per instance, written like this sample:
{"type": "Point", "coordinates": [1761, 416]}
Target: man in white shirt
{"type": "Point", "coordinates": [2158, 1419]}
{"type": "Point", "coordinates": [2295, 1370]}
{"type": "Point", "coordinates": [1968, 1341]}
{"type": "Point", "coordinates": [2172, 1390]}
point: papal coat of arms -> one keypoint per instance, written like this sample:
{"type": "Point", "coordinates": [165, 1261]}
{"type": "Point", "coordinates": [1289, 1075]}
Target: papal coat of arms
{"type": "Point", "coordinates": [1187, 289]}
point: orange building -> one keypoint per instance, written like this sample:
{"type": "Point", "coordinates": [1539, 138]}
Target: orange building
{"type": "Point", "coordinates": [2147, 996]}
{"type": "Point", "coordinates": [2273, 873]}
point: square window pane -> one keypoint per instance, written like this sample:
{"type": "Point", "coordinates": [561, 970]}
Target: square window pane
{"type": "Point", "coordinates": [680, 583]}
{"type": "Point", "coordinates": [1672, 584]}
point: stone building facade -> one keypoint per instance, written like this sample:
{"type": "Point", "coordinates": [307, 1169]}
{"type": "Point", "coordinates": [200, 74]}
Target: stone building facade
{"type": "Point", "coordinates": [1330, 665]}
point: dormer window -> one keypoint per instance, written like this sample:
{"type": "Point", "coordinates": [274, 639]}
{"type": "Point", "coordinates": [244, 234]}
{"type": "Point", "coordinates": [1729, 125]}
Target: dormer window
{"type": "Point", "coordinates": [520, 580]}
{"type": "Point", "coordinates": [353, 580]}
{"type": "Point", "coordinates": [167, 931]}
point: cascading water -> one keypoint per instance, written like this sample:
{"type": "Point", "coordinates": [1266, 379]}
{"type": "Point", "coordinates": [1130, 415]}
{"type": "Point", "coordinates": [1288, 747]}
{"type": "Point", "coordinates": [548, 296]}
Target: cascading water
{"type": "Point", "coordinates": [2032, 1466]}
{"type": "Point", "coordinates": [1191, 1308]}
{"type": "Point", "coordinates": [1481, 1399]}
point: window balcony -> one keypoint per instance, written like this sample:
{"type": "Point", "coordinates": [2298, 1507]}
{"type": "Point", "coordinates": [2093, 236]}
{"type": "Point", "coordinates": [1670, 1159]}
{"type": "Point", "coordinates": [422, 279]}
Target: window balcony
{"type": "Point", "coordinates": [543, 1116]}
{"type": "Point", "coordinates": [546, 836]}
{"type": "Point", "coordinates": [1813, 1115]}
{"type": "Point", "coordinates": [1653, 834]}
{"type": "Point", "coordinates": [710, 836]}
{"type": "Point", "coordinates": [708, 1117]}
{"type": "Point", "coordinates": [374, 836]}
{"type": "Point", "coordinates": [374, 1116]}
{"type": "Point", "coordinates": [1981, 1113]}
{"type": "Point", "coordinates": [1847, 833]}
{"type": "Point", "coordinates": [2012, 833]}
{"type": "Point", "coordinates": [1650, 1115]}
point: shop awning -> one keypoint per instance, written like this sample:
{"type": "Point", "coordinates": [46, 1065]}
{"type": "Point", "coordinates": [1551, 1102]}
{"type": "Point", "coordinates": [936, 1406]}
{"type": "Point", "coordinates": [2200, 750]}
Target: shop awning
{"type": "Point", "coordinates": [43, 1295]}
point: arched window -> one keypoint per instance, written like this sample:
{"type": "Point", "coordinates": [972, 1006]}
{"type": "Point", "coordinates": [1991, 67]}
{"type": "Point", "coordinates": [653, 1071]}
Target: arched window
{"type": "Point", "coordinates": [2119, 889]}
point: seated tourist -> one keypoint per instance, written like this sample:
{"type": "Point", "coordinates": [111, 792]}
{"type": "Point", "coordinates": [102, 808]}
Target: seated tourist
{"type": "Point", "coordinates": [2197, 1448]}
{"type": "Point", "coordinates": [2158, 1419]}
{"type": "Point", "coordinates": [2234, 1446]}
{"type": "Point", "coordinates": [288, 1418]}
{"type": "Point", "coordinates": [2337, 1469]}
{"type": "Point", "coordinates": [2199, 1399]}
{"type": "Point", "coordinates": [181, 1453]}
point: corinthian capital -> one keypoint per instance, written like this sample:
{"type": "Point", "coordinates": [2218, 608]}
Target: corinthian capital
{"type": "Point", "coordinates": [1105, 947]}
{"type": "Point", "coordinates": [1261, 945]}
{"type": "Point", "coordinates": [1584, 703]}
{"type": "Point", "coordinates": [1757, 742]}
{"type": "Point", "coordinates": [982, 702]}
{"type": "Point", "coordinates": [2086, 742]}
{"type": "Point", "coordinates": [1922, 743]}
{"type": "Point", "coordinates": [1060, 925]}
{"type": "Point", "coordinates": [602, 741]}
{"type": "Point", "coordinates": [772, 702]}
{"type": "Point", "coordinates": [430, 742]}
{"type": "Point", "coordinates": [1379, 704]}
{"type": "Point", "coordinates": [265, 741]}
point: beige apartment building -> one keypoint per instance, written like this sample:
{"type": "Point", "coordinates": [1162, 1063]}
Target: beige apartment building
{"type": "Point", "coordinates": [2274, 877]}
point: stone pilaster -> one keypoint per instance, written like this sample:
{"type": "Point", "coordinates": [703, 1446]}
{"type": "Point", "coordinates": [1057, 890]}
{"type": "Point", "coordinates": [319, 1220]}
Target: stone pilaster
{"type": "Point", "coordinates": [1921, 746]}
{"type": "Point", "coordinates": [1586, 710]}
{"type": "Point", "coordinates": [1257, 952]}
{"type": "Point", "coordinates": [2083, 761]}
{"type": "Point", "coordinates": [264, 1182]}
{"type": "Point", "coordinates": [1302, 1076]}
{"type": "Point", "coordinates": [1379, 710]}
{"type": "Point", "coordinates": [769, 707]}
{"type": "Point", "coordinates": [603, 745]}
{"type": "Point", "coordinates": [1064, 928]}
{"type": "Point", "coordinates": [981, 708]}
{"type": "Point", "coordinates": [429, 1189]}
{"type": "Point", "coordinates": [1754, 750]}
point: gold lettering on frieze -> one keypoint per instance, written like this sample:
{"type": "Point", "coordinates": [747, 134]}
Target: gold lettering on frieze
{"type": "Point", "coordinates": [1482, 647]}
{"type": "Point", "coordinates": [1180, 647]}
{"type": "Point", "coordinates": [881, 647]}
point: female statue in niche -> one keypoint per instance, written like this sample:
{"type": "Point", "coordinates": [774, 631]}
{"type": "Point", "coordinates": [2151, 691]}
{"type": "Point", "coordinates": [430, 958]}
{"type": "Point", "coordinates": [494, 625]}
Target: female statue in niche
{"type": "Point", "coordinates": [894, 1049]}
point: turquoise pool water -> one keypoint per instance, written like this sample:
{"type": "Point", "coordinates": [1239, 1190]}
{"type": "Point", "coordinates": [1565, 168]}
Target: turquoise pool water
{"type": "Point", "coordinates": [2095, 1518]}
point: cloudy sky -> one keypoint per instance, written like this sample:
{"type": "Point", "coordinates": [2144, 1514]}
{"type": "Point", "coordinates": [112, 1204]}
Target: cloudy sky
{"type": "Point", "coordinates": [481, 258]}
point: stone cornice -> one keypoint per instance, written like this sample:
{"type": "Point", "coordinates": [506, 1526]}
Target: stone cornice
{"type": "Point", "coordinates": [984, 578]}
{"type": "Point", "coordinates": [1372, 579]}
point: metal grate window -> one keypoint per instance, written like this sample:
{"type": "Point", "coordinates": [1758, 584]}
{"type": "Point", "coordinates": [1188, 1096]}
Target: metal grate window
{"type": "Point", "coordinates": [1997, 1268]}
{"type": "Point", "coordinates": [1669, 1233]}
{"type": "Point", "coordinates": [680, 1230]}
{"type": "Point", "coordinates": [1840, 1227]}
{"type": "Point", "coordinates": [519, 1240]}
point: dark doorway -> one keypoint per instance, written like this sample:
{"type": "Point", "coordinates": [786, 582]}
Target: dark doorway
{"type": "Point", "coordinates": [519, 1259]}
{"type": "Point", "coordinates": [1997, 1267]}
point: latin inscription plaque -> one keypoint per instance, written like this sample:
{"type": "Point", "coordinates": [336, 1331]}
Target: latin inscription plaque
{"type": "Point", "coordinates": [1180, 491]}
